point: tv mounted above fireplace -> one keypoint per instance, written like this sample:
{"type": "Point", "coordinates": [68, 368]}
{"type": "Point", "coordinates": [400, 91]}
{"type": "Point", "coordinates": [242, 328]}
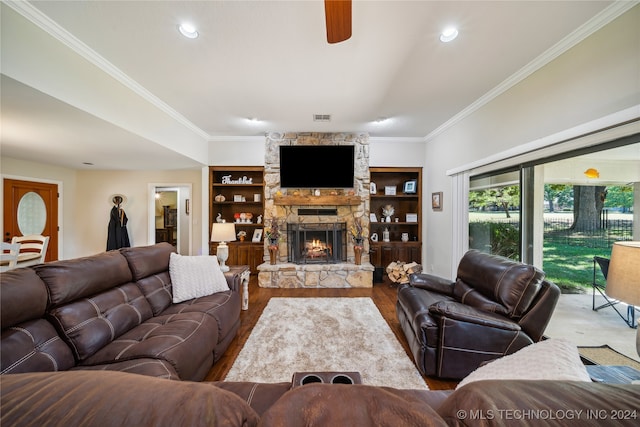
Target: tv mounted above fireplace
{"type": "Point", "coordinates": [316, 166]}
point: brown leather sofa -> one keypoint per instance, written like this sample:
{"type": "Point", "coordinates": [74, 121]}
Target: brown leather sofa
{"type": "Point", "coordinates": [495, 307]}
{"type": "Point", "coordinates": [112, 311]}
{"type": "Point", "coordinates": [118, 399]}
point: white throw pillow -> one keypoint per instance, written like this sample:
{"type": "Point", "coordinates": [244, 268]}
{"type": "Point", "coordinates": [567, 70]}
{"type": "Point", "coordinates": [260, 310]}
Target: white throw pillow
{"type": "Point", "coordinates": [195, 276]}
{"type": "Point", "coordinates": [552, 359]}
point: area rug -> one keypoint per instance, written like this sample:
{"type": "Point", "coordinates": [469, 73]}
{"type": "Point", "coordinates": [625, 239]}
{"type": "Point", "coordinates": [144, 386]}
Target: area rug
{"type": "Point", "coordinates": [605, 355]}
{"type": "Point", "coordinates": [324, 334]}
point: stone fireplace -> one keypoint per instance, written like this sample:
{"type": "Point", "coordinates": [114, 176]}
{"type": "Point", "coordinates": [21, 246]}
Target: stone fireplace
{"type": "Point", "coordinates": [315, 248]}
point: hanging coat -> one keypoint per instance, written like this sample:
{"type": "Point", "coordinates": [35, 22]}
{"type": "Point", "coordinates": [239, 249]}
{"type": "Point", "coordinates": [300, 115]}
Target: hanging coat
{"type": "Point", "coordinates": [117, 236]}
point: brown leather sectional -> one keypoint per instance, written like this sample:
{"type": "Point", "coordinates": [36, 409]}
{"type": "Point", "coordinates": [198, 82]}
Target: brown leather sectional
{"type": "Point", "coordinates": [112, 311]}
{"type": "Point", "coordinates": [82, 398]}
{"type": "Point", "coordinates": [75, 332]}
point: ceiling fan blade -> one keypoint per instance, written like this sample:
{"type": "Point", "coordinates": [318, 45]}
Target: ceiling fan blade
{"type": "Point", "coordinates": [338, 18]}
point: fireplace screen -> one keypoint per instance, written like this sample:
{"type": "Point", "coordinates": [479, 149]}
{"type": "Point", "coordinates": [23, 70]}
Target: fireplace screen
{"type": "Point", "coordinates": [317, 243]}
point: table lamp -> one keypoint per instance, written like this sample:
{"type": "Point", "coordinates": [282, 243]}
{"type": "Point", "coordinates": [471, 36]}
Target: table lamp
{"type": "Point", "coordinates": [223, 232]}
{"type": "Point", "coordinates": [623, 279]}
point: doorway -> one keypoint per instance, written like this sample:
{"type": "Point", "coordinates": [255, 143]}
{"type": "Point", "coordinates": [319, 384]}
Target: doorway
{"type": "Point", "coordinates": [31, 208]}
{"type": "Point", "coordinates": [170, 215]}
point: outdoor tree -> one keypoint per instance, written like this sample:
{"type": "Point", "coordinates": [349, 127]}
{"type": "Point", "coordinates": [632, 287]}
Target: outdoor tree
{"type": "Point", "coordinates": [502, 197]}
{"type": "Point", "coordinates": [588, 201]}
{"type": "Point", "coordinates": [557, 193]}
{"type": "Point", "coordinates": [619, 196]}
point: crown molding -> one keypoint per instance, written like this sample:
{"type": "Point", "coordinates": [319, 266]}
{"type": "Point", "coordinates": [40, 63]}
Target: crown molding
{"type": "Point", "coordinates": [603, 18]}
{"type": "Point", "coordinates": [42, 21]}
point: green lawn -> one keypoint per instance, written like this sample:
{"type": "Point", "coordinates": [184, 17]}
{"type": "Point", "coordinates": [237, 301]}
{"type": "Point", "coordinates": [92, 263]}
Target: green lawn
{"type": "Point", "coordinates": [571, 267]}
{"type": "Point", "coordinates": [567, 255]}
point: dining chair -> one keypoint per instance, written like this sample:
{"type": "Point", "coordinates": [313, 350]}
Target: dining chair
{"type": "Point", "coordinates": [33, 249]}
{"type": "Point", "coordinates": [9, 256]}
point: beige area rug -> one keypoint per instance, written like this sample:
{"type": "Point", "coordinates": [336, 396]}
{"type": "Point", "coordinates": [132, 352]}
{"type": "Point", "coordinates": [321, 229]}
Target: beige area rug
{"type": "Point", "coordinates": [605, 355]}
{"type": "Point", "coordinates": [324, 334]}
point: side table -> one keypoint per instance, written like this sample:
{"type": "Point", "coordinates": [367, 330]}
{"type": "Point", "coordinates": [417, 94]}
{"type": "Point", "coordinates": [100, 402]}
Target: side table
{"type": "Point", "coordinates": [244, 272]}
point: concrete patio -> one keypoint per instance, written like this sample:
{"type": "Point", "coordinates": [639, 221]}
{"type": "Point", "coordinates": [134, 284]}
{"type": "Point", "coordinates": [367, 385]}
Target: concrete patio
{"type": "Point", "coordinates": [574, 320]}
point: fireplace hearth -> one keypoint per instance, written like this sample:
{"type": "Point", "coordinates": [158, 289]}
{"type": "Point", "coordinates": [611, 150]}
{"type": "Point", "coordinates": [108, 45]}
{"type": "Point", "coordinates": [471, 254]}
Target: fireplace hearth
{"type": "Point", "coordinates": [317, 243]}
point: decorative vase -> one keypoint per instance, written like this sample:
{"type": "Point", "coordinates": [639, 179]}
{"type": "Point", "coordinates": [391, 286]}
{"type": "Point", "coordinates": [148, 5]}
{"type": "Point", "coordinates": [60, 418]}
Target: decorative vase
{"type": "Point", "coordinates": [357, 251]}
{"type": "Point", "coordinates": [273, 254]}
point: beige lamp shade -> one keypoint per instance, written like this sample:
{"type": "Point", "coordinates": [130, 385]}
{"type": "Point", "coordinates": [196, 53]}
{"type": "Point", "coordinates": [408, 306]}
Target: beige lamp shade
{"type": "Point", "coordinates": [623, 278]}
{"type": "Point", "coordinates": [223, 232]}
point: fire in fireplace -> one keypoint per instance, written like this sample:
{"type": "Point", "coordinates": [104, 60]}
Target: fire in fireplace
{"type": "Point", "coordinates": [317, 243]}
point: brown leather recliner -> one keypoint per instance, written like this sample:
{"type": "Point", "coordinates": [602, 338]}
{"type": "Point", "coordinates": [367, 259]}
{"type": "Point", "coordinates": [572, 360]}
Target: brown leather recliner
{"type": "Point", "coordinates": [495, 307]}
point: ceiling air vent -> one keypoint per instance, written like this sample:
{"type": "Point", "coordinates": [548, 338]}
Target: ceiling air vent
{"type": "Point", "coordinates": [322, 117]}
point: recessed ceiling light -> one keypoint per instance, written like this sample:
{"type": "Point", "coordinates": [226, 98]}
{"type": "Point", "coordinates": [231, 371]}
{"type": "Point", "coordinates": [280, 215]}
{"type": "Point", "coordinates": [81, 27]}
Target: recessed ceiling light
{"type": "Point", "coordinates": [449, 34]}
{"type": "Point", "coordinates": [188, 30]}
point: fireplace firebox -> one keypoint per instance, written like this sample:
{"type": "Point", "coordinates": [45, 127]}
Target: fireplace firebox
{"type": "Point", "coordinates": [317, 243]}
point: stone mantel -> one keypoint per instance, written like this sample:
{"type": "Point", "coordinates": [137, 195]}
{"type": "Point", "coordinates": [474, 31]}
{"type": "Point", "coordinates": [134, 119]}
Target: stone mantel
{"type": "Point", "coordinates": [317, 200]}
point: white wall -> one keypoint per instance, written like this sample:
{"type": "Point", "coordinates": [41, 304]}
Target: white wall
{"type": "Point", "coordinates": [249, 151]}
{"type": "Point", "coordinates": [93, 204]}
{"type": "Point", "coordinates": [596, 78]}
{"type": "Point", "coordinates": [86, 203]}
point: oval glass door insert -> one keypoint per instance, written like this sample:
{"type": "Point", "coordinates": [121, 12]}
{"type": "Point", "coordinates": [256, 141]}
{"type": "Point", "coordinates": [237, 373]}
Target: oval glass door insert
{"type": "Point", "coordinates": [32, 214]}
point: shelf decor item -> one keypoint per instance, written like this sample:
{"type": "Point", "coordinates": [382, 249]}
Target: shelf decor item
{"type": "Point", "coordinates": [387, 212]}
{"type": "Point", "coordinates": [410, 187]}
{"type": "Point", "coordinates": [390, 190]}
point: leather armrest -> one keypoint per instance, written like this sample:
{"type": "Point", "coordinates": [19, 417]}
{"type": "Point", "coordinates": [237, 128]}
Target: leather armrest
{"type": "Point", "coordinates": [430, 282]}
{"type": "Point", "coordinates": [466, 313]}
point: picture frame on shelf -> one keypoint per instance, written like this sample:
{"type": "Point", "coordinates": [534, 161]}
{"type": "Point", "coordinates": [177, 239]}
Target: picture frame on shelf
{"type": "Point", "coordinates": [257, 235]}
{"type": "Point", "coordinates": [373, 189]}
{"type": "Point", "coordinates": [390, 190]}
{"type": "Point", "coordinates": [373, 217]}
{"type": "Point", "coordinates": [410, 187]}
{"type": "Point", "coordinates": [412, 217]}
{"type": "Point", "coordinates": [237, 197]}
{"type": "Point", "coordinates": [436, 201]}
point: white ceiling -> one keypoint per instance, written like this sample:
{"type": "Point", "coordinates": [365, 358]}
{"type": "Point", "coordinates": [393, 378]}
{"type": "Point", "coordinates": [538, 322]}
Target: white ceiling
{"type": "Point", "coordinates": [115, 84]}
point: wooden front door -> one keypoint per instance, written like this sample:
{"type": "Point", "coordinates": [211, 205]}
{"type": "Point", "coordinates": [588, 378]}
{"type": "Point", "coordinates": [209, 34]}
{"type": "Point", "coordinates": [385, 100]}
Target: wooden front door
{"type": "Point", "coordinates": [31, 208]}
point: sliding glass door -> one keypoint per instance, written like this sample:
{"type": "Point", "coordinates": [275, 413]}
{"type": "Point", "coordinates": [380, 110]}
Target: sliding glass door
{"type": "Point", "coordinates": [558, 213]}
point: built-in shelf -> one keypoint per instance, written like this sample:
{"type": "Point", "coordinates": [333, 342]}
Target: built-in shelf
{"type": "Point", "coordinates": [309, 200]}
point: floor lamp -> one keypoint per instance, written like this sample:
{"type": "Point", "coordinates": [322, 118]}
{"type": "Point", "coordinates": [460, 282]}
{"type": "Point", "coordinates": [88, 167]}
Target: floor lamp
{"type": "Point", "coordinates": [623, 279]}
{"type": "Point", "coordinates": [223, 232]}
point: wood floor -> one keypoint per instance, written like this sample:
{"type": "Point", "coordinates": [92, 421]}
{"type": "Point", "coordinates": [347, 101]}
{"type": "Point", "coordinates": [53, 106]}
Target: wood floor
{"type": "Point", "coordinates": [383, 295]}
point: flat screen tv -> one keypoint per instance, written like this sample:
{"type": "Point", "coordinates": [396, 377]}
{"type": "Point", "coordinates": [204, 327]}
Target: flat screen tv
{"type": "Point", "coordinates": [316, 166]}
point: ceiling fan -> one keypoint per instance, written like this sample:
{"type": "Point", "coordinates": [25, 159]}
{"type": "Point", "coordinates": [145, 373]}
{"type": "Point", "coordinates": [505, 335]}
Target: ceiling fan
{"type": "Point", "coordinates": [338, 19]}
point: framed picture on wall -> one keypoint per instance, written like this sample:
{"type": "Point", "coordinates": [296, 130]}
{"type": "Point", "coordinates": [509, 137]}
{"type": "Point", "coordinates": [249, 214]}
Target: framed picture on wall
{"type": "Point", "coordinates": [436, 201]}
